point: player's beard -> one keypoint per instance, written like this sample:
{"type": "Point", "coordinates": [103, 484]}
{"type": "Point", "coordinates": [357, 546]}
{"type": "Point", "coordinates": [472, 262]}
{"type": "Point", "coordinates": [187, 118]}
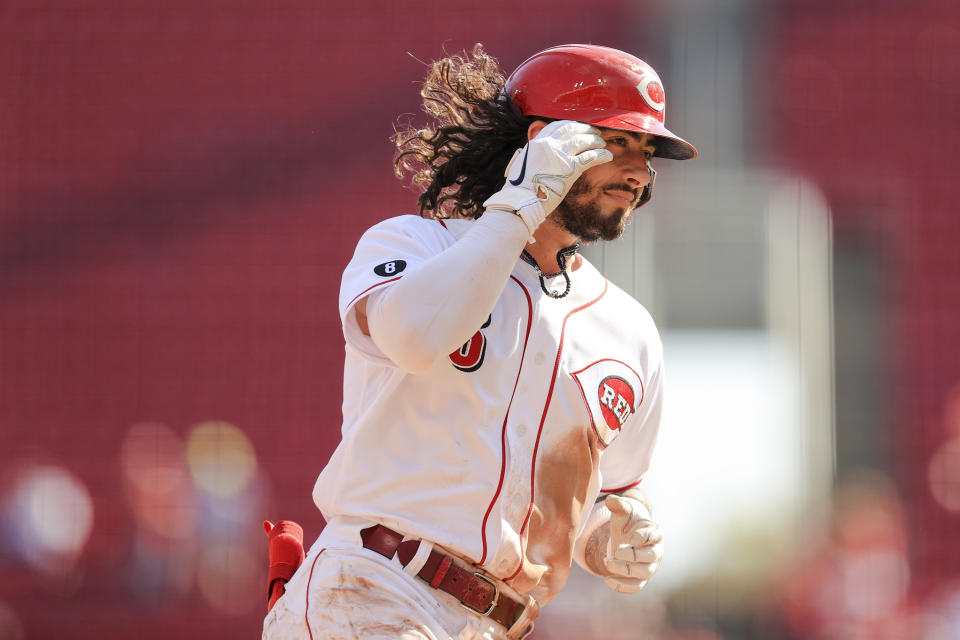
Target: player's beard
{"type": "Point", "coordinates": [579, 213]}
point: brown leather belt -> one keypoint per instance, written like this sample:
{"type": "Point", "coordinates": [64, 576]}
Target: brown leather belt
{"type": "Point", "coordinates": [473, 589]}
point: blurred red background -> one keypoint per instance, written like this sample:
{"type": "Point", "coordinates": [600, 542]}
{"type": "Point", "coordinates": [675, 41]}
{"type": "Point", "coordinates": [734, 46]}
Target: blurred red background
{"type": "Point", "coordinates": [180, 188]}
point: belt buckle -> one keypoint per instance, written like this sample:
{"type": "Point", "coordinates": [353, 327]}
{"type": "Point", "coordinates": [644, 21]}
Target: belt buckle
{"type": "Point", "coordinates": [493, 603]}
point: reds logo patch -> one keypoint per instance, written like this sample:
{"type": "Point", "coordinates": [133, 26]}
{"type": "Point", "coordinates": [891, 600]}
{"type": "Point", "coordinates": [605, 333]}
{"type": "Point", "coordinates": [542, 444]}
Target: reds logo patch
{"type": "Point", "coordinates": [612, 391]}
{"type": "Point", "coordinates": [652, 92]}
{"type": "Point", "coordinates": [616, 401]}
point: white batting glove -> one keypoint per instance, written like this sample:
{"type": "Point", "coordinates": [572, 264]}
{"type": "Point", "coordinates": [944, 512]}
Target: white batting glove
{"type": "Point", "coordinates": [541, 172]}
{"type": "Point", "coordinates": [635, 545]}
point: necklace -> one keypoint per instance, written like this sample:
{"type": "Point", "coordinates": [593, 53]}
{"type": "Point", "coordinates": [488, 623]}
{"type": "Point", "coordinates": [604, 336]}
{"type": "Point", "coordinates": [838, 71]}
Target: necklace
{"type": "Point", "coordinates": [562, 257]}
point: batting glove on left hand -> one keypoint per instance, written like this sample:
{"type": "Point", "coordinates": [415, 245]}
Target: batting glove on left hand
{"type": "Point", "coordinates": [635, 545]}
{"type": "Point", "coordinates": [541, 173]}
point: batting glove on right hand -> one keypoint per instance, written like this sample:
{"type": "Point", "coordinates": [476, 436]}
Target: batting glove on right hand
{"type": "Point", "coordinates": [635, 546]}
{"type": "Point", "coordinates": [541, 173]}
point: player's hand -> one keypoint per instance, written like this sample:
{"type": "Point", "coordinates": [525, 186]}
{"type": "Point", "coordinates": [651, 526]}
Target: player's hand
{"type": "Point", "coordinates": [541, 173]}
{"type": "Point", "coordinates": [635, 546]}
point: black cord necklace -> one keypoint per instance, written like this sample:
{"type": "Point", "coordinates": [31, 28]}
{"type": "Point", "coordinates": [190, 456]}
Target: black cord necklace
{"type": "Point", "coordinates": [562, 257]}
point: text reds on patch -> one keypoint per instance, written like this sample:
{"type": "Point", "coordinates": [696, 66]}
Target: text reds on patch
{"type": "Point", "coordinates": [616, 401]}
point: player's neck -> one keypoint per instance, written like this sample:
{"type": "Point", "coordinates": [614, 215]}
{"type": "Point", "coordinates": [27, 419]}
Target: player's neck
{"type": "Point", "coordinates": [550, 240]}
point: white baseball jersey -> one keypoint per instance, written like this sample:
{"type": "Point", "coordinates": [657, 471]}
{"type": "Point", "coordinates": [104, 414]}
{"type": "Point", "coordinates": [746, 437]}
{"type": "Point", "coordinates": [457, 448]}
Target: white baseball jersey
{"type": "Point", "coordinates": [496, 451]}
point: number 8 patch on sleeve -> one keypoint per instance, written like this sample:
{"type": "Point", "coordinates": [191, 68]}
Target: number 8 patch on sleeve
{"type": "Point", "coordinates": [391, 268]}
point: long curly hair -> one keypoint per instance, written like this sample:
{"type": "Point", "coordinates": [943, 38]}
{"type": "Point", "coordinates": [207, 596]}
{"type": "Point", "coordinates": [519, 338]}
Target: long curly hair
{"type": "Point", "coordinates": [459, 160]}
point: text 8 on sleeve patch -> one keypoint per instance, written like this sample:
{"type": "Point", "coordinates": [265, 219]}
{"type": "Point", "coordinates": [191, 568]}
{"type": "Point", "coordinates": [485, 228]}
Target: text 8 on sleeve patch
{"type": "Point", "coordinates": [391, 268]}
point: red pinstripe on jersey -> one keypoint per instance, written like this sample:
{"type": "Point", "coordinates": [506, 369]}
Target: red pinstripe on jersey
{"type": "Point", "coordinates": [379, 284]}
{"type": "Point", "coordinates": [306, 613]}
{"type": "Point", "coordinates": [587, 403]}
{"type": "Point", "coordinates": [624, 488]}
{"type": "Point", "coordinates": [503, 431]}
{"type": "Point", "coordinates": [543, 419]}
{"type": "Point", "coordinates": [361, 294]}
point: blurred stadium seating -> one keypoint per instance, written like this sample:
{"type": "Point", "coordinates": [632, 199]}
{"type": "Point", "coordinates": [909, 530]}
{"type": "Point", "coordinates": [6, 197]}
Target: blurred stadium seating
{"type": "Point", "coordinates": [180, 188]}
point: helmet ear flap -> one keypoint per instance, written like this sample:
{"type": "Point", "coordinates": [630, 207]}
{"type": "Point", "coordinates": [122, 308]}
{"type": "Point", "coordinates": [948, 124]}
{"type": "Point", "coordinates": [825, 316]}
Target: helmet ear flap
{"type": "Point", "coordinates": [647, 190]}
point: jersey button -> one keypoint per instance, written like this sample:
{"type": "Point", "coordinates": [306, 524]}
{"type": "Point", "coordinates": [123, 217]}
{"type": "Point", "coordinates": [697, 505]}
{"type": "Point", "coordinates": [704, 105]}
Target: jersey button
{"type": "Point", "coordinates": [521, 429]}
{"type": "Point", "coordinates": [539, 358]}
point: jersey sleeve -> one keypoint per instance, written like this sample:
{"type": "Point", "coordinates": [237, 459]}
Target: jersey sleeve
{"type": "Point", "coordinates": [385, 253]}
{"type": "Point", "coordinates": [628, 457]}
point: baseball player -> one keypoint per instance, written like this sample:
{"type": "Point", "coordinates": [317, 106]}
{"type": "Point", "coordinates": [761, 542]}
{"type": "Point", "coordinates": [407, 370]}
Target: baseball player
{"type": "Point", "coordinates": [501, 397]}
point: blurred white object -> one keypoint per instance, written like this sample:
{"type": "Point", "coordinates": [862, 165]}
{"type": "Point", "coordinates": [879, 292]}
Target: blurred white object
{"type": "Point", "coordinates": [51, 512]}
{"type": "Point", "coordinates": [735, 266]}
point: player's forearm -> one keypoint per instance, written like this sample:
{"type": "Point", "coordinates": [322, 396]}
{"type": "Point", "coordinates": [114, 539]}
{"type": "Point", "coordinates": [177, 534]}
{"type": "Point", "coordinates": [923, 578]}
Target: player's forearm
{"type": "Point", "coordinates": [595, 549]}
{"type": "Point", "coordinates": [435, 309]}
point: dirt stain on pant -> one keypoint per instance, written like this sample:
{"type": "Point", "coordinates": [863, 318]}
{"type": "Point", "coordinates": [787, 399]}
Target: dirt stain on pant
{"type": "Point", "coordinates": [356, 607]}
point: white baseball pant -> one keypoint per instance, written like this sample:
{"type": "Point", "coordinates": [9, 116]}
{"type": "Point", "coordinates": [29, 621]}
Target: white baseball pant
{"type": "Point", "coordinates": [345, 592]}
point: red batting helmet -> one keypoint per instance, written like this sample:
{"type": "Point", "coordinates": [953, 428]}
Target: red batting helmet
{"type": "Point", "coordinates": [597, 85]}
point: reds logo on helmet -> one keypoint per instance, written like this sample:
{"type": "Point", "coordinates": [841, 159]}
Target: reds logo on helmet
{"type": "Point", "coordinates": [652, 92]}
